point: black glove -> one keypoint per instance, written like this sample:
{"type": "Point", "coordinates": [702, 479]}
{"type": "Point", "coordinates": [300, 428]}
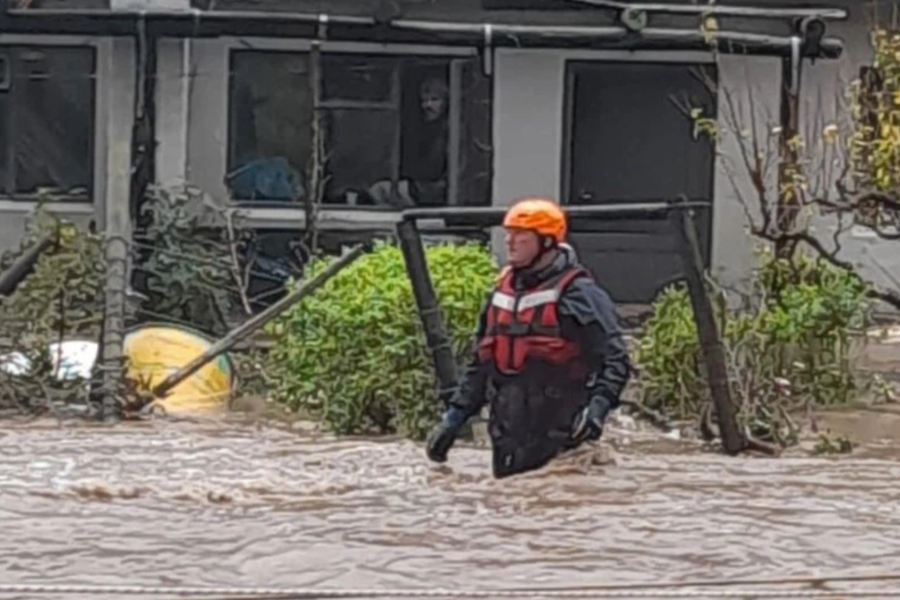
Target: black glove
{"type": "Point", "coordinates": [588, 425]}
{"type": "Point", "coordinates": [444, 435]}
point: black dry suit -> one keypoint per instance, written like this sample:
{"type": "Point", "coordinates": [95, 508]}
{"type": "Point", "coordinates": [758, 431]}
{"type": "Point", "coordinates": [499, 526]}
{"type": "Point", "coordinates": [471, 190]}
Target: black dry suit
{"type": "Point", "coordinates": [532, 412]}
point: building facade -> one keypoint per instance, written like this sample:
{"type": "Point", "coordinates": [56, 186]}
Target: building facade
{"type": "Point", "coordinates": [415, 103]}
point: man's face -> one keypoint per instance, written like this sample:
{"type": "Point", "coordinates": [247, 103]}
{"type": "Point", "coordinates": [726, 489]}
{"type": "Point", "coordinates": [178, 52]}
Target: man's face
{"type": "Point", "coordinates": [522, 246]}
{"type": "Point", "coordinates": [432, 106]}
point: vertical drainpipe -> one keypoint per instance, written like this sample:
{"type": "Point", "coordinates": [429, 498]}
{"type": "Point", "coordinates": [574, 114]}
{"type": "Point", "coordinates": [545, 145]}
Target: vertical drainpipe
{"type": "Point", "coordinates": [144, 129]}
{"type": "Point", "coordinates": [121, 222]}
{"type": "Point", "coordinates": [787, 208]}
{"type": "Point", "coordinates": [143, 132]}
{"type": "Point", "coordinates": [187, 89]}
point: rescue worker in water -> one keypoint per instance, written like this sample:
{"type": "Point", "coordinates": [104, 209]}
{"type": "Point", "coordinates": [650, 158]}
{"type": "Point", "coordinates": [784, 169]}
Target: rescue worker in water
{"type": "Point", "coordinates": [549, 357]}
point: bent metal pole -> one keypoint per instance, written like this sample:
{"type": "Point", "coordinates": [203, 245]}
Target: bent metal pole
{"type": "Point", "coordinates": [228, 342]}
{"type": "Point", "coordinates": [18, 270]}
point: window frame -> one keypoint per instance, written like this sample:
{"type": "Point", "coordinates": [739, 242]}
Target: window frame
{"type": "Point", "coordinates": [454, 56]}
{"type": "Point", "coordinates": [10, 44]}
{"type": "Point", "coordinates": [575, 62]}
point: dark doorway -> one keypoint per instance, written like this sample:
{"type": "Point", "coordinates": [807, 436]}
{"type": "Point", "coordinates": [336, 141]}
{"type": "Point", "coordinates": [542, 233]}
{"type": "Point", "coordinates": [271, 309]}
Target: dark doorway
{"type": "Point", "coordinates": [631, 141]}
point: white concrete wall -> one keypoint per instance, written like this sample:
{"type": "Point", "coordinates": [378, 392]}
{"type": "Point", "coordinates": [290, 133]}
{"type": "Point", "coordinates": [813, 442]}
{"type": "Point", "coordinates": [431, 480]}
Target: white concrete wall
{"type": "Point", "coordinates": [120, 67]}
{"type": "Point", "coordinates": [114, 117]}
{"type": "Point", "coordinates": [528, 123]}
{"type": "Point", "coordinates": [207, 135]}
{"type": "Point", "coordinates": [745, 84]}
{"type": "Point", "coordinates": [173, 89]}
{"type": "Point", "coordinates": [824, 85]}
{"type": "Point", "coordinates": [528, 127]}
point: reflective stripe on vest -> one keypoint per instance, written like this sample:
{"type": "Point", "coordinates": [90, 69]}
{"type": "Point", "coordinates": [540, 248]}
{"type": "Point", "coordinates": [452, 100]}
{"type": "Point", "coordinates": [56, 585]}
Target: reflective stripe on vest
{"type": "Point", "coordinates": [525, 325]}
{"type": "Point", "coordinates": [529, 300]}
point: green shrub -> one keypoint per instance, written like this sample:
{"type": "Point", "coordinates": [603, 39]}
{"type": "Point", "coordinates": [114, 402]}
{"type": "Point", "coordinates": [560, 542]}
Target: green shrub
{"type": "Point", "coordinates": [63, 294]}
{"type": "Point", "coordinates": [799, 331]}
{"type": "Point", "coordinates": [187, 262]}
{"type": "Point", "coordinates": [61, 298]}
{"type": "Point", "coordinates": [354, 354]}
{"type": "Point", "coordinates": [809, 316]}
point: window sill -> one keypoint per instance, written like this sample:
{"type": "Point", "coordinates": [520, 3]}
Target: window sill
{"type": "Point", "coordinates": [861, 232]}
{"type": "Point", "coordinates": [295, 206]}
{"type": "Point", "coordinates": [27, 205]}
{"type": "Point", "coordinates": [331, 217]}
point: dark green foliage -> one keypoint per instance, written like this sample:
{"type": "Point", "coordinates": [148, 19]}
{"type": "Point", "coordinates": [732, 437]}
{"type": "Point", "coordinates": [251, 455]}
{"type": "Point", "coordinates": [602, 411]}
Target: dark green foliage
{"type": "Point", "coordinates": [354, 353]}
{"type": "Point", "coordinates": [62, 298]}
{"type": "Point", "coordinates": [798, 335]}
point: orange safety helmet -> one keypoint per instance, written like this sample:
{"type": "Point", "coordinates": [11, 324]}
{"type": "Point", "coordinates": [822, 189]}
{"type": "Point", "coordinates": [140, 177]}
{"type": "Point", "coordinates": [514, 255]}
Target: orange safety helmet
{"type": "Point", "coordinates": [541, 215]}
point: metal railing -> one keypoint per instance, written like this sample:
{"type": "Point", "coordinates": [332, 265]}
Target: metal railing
{"type": "Point", "coordinates": [680, 215]}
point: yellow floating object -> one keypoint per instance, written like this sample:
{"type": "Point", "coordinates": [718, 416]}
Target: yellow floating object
{"type": "Point", "coordinates": [156, 351]}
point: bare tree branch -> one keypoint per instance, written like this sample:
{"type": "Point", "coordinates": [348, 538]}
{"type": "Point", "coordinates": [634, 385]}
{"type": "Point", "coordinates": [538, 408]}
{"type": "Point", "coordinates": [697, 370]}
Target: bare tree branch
{"type": "Point", "coordinates": [238, 273]}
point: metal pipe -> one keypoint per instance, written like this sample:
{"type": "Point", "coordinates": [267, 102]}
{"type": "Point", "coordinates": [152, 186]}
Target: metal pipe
{"type": "Point", "coordinates": [607, 210]}
{"type": "Point", "coordinates": [707, 330]}
{"type": "Point", "coordinates": [21, 267]}
{"type": "Point", "coordinates": [248, 23]}
{"type": "Point", "coordinates": [186, 95]}
{"type": "Point", "coordinates": [436, 336]}
{"type": "Point", "coordinates": [723, 11]}
{"type": "Point", "coordinates": [726, 40]}
{"type": "Point", "coordinates": [511, 29]}
{"type": "Point", "coordinates": [206, 15]}
{"type": "Point", "coordinates": [830, 46]}
{"type": "Point", "coordinates": [796, 62]}
{"type": "Point", "coordinates": [488, 66]}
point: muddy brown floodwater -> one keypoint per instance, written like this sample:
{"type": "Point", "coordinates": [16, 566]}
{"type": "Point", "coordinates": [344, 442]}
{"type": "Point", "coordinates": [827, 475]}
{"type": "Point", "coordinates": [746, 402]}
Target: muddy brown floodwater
{"type": "Point", "coordinates": [214, 503]}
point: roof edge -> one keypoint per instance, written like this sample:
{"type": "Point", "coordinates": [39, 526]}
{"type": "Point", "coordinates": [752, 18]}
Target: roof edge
{"type": "Point", "coordinates": [197, 23]}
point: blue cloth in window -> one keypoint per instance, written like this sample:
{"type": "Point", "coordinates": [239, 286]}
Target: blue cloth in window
{"type": "Point", "coordinates": [266, 179]}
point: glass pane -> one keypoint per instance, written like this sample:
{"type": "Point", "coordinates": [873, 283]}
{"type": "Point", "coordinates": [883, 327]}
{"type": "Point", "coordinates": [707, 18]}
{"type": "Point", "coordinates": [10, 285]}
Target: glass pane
{"type": "Point", "coordinates": [270, 130]}
{"type": "Point", "coordinates": [4, 71]}
{"type": "Point", "coordinates": [426, 130]}
{"type": "Point", "coordinates": [475, 136]}
{"type": "Point", "coordinates": [5, 171]}
{"type": "Point", "coordinates": [625, 125]}
{"type": "Point", "coordinates": [630, 142]}
{"type": "Point", "coordinates": [361, 150]}
{"type": "Point", "coordinates": [357, 78]}
{"type": "Point", "coordinates": [52, 109]}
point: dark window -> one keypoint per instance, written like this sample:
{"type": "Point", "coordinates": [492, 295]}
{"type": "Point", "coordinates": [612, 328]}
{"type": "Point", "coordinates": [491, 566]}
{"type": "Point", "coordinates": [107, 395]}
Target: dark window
{"type": "Point", "coordinates": [395, 130]}
{"type": "Point", "coordinates": [630, 141]}
{"type": "Point", "coordinates": [46, 122]}
{"type": "Point", "coordinates": [360, 78]}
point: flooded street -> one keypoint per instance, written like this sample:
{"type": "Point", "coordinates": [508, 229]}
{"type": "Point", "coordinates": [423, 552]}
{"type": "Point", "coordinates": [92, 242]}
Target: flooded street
{"type": "Point", "coordinates": [224, 504]}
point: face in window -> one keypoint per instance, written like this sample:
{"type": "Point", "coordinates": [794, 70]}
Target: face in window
{"type": "Point", "coordinates": [433, 95]}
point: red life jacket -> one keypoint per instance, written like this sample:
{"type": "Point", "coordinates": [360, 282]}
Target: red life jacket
{"type": "Point", "coordinates": [523, 325]}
